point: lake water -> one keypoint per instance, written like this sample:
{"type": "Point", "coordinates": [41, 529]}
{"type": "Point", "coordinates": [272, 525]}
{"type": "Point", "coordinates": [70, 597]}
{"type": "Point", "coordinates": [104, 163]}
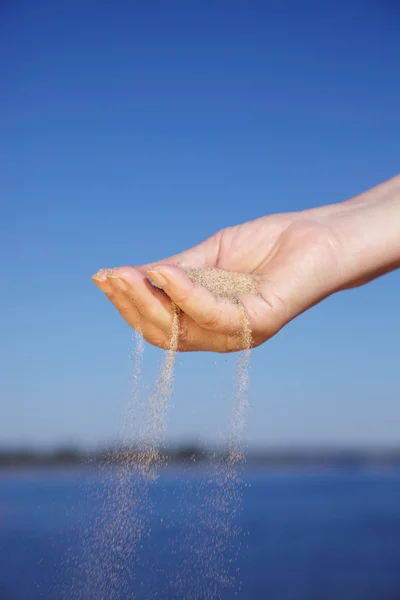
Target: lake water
{"type": "Point", "coordinates": [304, 536]}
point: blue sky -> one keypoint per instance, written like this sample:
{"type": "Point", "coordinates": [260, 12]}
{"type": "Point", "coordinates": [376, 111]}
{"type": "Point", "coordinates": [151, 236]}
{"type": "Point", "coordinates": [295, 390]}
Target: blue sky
{"type": "Point", "coordinates": [132, 130]}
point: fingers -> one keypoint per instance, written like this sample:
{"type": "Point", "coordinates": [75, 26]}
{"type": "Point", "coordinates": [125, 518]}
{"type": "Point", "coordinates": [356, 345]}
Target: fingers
{"type": "Point", "coordinates": [129, 297]}
{"type": "Point", "coordinates": [198, 303]}
{"type": "Point", "coordinates": [152, 304]}
{"type": "Point", "coordinates": [150, 311]}
{"type": "Point", "coordinates": [266, 313]}
{"type": "Point", "coordinates": [116, 291]}
{"type": "Point", "coordinates": [206, 323]}
{"type": "Point", "coordinates": [138, 303]}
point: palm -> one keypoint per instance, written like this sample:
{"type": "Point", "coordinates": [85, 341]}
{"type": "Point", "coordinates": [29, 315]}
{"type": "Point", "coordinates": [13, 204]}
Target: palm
{"type": "Point", "coordinates": [291, 254]}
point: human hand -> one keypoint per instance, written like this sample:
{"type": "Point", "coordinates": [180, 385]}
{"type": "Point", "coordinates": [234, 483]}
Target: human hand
{"type": "Point", "coordinates": [292, 254]}
{"type": "Point", "coordinates": [300, 258]}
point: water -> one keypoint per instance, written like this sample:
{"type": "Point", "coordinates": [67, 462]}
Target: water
{"type": "Point", "coordinates": [332, 536]}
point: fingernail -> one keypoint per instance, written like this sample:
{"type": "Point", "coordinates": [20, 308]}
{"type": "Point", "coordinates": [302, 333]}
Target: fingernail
{"type": "Point", "coordinates": [116, 282]}
{"type": "Point", "coordinates": [158, 278]}
{"type": "Point", "coordinates": [99, 282]}
{"type": "Point", "coordinates": [98, 276]}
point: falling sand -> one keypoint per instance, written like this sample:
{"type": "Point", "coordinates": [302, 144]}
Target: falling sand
{"type": "Point", "coordinates": [211, 565]}
{"type": "Point", "coordinates": [111, 546]}
{"type": "Point", "coordinates": [229, 286]}
{"type": "Point", "coordinates": [127, 505]}
{"type": "Point", "coordinates": [223, 493]}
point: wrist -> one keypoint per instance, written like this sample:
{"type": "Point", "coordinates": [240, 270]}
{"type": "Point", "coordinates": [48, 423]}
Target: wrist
{"type": "Point", "coordinates": [367, 229]}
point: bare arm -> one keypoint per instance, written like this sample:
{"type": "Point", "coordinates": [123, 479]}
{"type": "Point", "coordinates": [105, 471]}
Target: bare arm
{"type": "Point", "coordinates": [300, 258]}
{"type": "Point", "coordinates": [369, 229]}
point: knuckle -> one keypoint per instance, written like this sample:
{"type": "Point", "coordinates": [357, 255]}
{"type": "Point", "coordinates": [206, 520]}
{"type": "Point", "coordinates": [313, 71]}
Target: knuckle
{"type": "Point", "coordinates": [210, 320]}
{"type": "Point", "coordinates": [181, 298]}
{"type": "Point", "coordinates": [278, 306]}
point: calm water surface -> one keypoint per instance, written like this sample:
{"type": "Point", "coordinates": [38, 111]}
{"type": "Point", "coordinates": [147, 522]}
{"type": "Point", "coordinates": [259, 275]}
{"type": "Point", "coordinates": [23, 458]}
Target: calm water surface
{"type": "Point", "coordinates": [322, 536]}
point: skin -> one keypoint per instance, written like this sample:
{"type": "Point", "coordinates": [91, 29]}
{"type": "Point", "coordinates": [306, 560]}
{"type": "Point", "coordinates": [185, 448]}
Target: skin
{"type": "Point", "coordinates": [301, 257]}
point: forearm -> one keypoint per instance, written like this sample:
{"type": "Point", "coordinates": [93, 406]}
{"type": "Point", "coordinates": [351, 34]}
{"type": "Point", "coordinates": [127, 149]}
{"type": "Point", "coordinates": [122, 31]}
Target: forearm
{"type": "Point", "coordinates": [367, 228]}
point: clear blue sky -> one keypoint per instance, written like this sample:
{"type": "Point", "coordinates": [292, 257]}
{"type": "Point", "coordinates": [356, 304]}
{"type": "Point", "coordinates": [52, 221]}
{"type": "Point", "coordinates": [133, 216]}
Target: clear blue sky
{"type": "Point", "coordinates": [132, 130]}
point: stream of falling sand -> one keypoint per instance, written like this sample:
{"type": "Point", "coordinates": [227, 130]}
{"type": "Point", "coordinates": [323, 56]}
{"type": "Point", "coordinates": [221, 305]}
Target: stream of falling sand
{"type": "Point", "coordinates": [213, 565]}
{"type": "Point", "coordinates": [112, 543]}
{"type": "Point", "coordinates": [212, 541]}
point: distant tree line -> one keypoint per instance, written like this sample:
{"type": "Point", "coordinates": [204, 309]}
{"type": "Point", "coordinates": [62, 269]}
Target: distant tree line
{"type": "Point", "coordinates": [193, 454]}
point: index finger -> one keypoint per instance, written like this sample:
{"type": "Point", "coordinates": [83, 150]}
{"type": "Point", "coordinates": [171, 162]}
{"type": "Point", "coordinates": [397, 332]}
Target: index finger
{"type": "Point", "coordinates": [197, 302]}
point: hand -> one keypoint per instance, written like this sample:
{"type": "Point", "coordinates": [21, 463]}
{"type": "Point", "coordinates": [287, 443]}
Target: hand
{"type": "Point", "coordinates": [293, 255]}
{"type": "Point", "coordinates": [301, 258]}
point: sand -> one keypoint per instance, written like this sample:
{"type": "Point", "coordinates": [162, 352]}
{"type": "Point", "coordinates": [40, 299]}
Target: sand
{"type": "Point", "coordinates": [216, 521]}
{"type": "Point", "coordinates": [117, 540]}
{"type": "Point", "coordinates": [229, 285]}
{"type": "Point", "coordinates": [112, 547]}
{"type": "Point", "coordinates": [158, 405]}
{"type": "Point", "coordinates": [224, 284]}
